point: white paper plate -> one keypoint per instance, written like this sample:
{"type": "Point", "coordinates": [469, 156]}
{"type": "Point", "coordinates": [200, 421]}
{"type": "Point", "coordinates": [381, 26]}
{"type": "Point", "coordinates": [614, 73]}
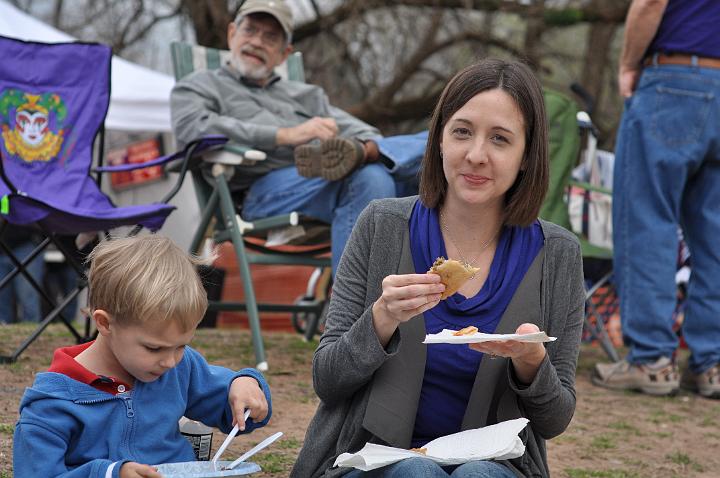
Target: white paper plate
{"type": "Point", "coordinates": [204, 469]}
{"type": "Point", "coordinates": [447, 337]}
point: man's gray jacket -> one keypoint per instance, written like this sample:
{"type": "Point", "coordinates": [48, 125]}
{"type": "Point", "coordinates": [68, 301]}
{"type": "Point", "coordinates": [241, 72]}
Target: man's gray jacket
{"type": "Point", "coordinates": [222, 102]}
{"type": "Point", "coordinates": [371, 393]}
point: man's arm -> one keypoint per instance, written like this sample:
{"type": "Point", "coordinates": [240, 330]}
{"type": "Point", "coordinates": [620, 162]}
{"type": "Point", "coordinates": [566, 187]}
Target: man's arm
{"type": "Point", "coordinates": [641, 24]}
{"type": "Point", "coordinates": [196, 111]}
{"type": "Point", "coordinates": [351, 127]}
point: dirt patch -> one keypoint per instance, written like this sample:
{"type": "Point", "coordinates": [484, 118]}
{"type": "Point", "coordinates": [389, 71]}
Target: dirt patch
{"type": "Point", "coordinates": [613, 435]}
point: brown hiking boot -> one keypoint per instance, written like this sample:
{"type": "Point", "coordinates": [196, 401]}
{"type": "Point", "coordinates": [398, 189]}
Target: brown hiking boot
{"type": "Point", "coordinates": [657, 378]}
{"type": "Point", "coordinates": [332, 159]}
{"type": "Point", "coordinates": [706, 383]}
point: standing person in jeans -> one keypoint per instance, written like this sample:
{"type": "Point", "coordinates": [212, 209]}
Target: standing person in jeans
{"type": "Point", "coordinates": [321, 161]}
{"type": "Point", "coordinates": [667, 173]}
{"type": "Point", "coordinates": [19, 296]}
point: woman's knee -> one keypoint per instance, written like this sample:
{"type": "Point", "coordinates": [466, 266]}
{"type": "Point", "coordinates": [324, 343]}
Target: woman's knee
{"type": "Point", "coordinates": [482, 469]}
{"type": "Point", "coordinates": [413, 467]}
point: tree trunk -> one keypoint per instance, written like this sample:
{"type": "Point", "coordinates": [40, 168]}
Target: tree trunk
{"type": "Point", "coordinates": [210, 20]}
{"type": "Point", "coordinates": [597, 57]}
{"type": "Point", "coordinates": [533, 33]}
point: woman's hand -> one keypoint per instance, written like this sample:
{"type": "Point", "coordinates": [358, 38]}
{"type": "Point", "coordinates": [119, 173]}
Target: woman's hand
{"type": "Point", "coordinates": [136, 470]}
{"type": "Point", "coordinates": [246, 394]}
{"type": "Point", "coordinates": [403, 297]}
{"type": "Point", "coordinates": [526, 357]}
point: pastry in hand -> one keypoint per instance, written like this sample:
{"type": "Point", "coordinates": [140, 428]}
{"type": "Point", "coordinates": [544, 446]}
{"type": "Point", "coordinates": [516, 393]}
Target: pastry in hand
{"type": "Point", "coordinates": [422, 451]}
{"type": "Point", "coordinates": [452, 273]}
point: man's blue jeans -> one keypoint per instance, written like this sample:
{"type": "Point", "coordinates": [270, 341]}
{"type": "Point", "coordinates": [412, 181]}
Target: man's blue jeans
{"type": "Point", "coordinates": [667, 173]}
{"type": "Point", "coordinates": [19, 288]}
{"type": "Point", "coordinates": [423, 467]}
{"type": "Point", "coordinates": [339, 203]}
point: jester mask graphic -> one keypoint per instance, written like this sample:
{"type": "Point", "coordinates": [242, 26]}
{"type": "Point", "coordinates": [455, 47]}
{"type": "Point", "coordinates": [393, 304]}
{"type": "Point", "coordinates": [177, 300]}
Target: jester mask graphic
{"type": "Point", "coordinates": [32, 124]}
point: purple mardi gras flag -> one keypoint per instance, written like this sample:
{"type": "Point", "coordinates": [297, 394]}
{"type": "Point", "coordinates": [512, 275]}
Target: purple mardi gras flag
{"type": "Point", "coordinates": [53, 101]}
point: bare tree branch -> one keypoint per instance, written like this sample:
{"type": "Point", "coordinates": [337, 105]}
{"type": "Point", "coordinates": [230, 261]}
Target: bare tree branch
{"type": "Point", "coordinates": [142, 32]}
{"type": "Point", "coordinates": [612, 12]}
{"type": "Point", "coordinates": [57, 13]}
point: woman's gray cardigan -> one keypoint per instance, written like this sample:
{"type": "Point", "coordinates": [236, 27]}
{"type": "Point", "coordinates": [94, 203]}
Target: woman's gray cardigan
{"type": "Point", "coordinates": [371, 393]}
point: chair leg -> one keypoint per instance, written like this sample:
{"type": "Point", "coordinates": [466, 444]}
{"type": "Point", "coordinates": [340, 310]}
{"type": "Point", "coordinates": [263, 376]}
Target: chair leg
{"type": "Point", "coordinates": [321, 283]}
{"type": "Point", "coordinates": [205, 218]}
{"type": "Point", "coordinates": [597, 330]}
{"type": "Point", "coordinates": [231, 224]}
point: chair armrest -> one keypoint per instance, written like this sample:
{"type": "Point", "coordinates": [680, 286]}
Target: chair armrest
{"type": "Point", "coordinates": [232, 154]}
{"type": "Point", "coordinates": [273, 222]}
{"type": "Point", "coordinates": [590, 187]}
{"type": "Point", "coordinates": [134, 166]}
{"type": "Point", "coordinates": [194, 148]}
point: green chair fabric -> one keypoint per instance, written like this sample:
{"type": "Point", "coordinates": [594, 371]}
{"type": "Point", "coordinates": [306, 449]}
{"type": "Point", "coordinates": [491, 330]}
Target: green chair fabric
{"type": "Point", "coordinates": [564, 138]}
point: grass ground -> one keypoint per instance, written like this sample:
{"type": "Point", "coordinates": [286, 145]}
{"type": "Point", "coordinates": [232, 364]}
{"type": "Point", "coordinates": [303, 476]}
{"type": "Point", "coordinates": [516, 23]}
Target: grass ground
{"type": "Point", "coordinates": [613, 434]}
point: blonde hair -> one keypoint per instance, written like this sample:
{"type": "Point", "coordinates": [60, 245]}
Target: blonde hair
{"type": "Point", "coordinates": [142, 278]}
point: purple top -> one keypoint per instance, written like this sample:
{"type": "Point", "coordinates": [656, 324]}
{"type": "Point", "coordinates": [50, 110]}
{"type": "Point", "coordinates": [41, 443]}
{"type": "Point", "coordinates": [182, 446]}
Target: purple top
{"type": "Point", "coordinates": [450, 370]}
{"type": "Point", "coordinates": [690, 28]}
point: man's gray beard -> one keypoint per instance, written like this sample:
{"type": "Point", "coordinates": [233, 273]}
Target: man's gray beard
{"type": "Point", "coordinates": [256, 73]}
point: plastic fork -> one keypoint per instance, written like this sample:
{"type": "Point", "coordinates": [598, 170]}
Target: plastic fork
{"type": "Point", "coordinates": [228, 439]}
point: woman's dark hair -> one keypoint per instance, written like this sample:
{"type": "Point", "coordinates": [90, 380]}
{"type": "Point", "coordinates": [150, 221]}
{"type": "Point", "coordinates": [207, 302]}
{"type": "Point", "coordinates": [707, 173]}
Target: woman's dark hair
{"type": "Point", "coordinates": [525, 196]}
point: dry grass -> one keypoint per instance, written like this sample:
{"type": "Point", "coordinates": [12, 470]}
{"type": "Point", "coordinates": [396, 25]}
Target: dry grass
{"type": "Point", "coordinates": [613, 435]}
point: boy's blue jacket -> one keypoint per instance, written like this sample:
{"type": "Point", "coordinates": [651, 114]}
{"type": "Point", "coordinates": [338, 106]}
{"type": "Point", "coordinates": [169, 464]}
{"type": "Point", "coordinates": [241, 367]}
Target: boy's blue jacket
{"type": "Point", "coordinates": [70, 429]}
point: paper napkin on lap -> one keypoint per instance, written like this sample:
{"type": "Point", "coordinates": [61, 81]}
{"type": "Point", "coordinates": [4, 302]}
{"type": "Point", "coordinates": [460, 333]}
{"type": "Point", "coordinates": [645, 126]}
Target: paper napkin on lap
{"type": "Point", "coordinates": [499, 441]}
{"type": "Point", "coordinates": [447, 337]}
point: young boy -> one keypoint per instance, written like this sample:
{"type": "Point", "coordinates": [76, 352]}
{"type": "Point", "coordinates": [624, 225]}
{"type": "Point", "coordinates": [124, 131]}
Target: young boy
{"type": "Point", "coordinates": [110, 408]}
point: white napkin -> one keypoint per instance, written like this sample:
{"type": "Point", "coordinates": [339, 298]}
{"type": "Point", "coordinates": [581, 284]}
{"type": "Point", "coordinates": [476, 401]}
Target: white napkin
{"type": "Point", "coordinates": [499, 441]}
{"type": "Point", "coordinates": [446, 337]}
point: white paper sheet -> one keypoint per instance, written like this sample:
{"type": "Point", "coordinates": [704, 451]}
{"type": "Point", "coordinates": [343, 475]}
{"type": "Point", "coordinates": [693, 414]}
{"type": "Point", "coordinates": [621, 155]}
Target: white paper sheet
{"type": "Point", "coordinates": [446, 337]}
{"type": "Point", "coordinates": [499, 441]}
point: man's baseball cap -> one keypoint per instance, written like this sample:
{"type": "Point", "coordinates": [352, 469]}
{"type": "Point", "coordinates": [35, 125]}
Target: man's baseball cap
{"type": "Point", "coordinates": [277, 8]}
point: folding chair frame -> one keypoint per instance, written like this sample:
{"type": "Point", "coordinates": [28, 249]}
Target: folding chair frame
{"type": "Point", "coordinates": [231, 227]}
{"type": "Point", "coordinates": [70, 256]}
{"type": "Point", "coordinates": [56, 312]}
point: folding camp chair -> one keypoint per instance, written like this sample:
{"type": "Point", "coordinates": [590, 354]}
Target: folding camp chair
{"type": "Point", "coordinates": [53, 101]}
{"type": "Point", "coordinates": [216, 202]}
{"type": "Point", "coordinates": [565, 142]}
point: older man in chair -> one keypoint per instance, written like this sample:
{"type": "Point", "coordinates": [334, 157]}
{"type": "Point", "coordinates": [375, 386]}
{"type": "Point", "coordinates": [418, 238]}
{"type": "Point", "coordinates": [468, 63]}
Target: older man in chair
{"type": "Point", "coordinates": [321, 161]}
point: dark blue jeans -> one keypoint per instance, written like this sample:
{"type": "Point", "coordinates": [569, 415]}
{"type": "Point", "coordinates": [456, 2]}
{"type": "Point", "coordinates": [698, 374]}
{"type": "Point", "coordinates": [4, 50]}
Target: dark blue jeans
{"type": "Point", "coordinates": [19, 289]}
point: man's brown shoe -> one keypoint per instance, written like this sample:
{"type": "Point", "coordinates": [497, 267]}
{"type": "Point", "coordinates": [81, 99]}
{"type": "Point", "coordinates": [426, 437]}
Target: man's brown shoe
{"type": "Point", "coordinates": [332, 159]}
{"type": "Point", "coordinates": [706, 383]}
{"type": "Point", "coordinates": [658, 378]}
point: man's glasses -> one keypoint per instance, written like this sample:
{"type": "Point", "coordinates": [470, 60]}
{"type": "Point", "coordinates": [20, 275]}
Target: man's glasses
{"type": "Point", "coordinates": [271, 38]}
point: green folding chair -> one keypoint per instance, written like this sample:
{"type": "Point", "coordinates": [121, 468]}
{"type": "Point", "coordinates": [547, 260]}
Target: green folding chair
{"type": "Point", "coordinates": [247, 237]}
{"type": "Point", "coordinates": [564, 136]}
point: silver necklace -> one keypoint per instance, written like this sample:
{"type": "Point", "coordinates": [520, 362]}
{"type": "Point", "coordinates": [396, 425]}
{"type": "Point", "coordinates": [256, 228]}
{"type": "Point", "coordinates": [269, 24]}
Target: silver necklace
{"type": "Point", "coordinates": [443, 224]}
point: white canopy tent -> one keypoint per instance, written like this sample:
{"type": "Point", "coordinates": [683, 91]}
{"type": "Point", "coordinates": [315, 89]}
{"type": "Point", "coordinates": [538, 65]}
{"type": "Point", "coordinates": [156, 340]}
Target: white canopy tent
{"type": "Point", "coordinates": [140, 97]}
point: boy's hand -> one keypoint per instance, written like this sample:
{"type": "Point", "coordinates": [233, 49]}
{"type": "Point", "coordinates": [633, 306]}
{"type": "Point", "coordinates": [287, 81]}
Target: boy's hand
{"type": "Point", "coordinates": [245, 393]}
{"type": "Point", "coordinates": [136, 470]}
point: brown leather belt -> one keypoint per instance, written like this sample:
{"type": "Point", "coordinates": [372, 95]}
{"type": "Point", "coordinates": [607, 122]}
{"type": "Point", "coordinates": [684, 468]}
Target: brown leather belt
{"type": "Point", "coordinates": [682, 59]}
